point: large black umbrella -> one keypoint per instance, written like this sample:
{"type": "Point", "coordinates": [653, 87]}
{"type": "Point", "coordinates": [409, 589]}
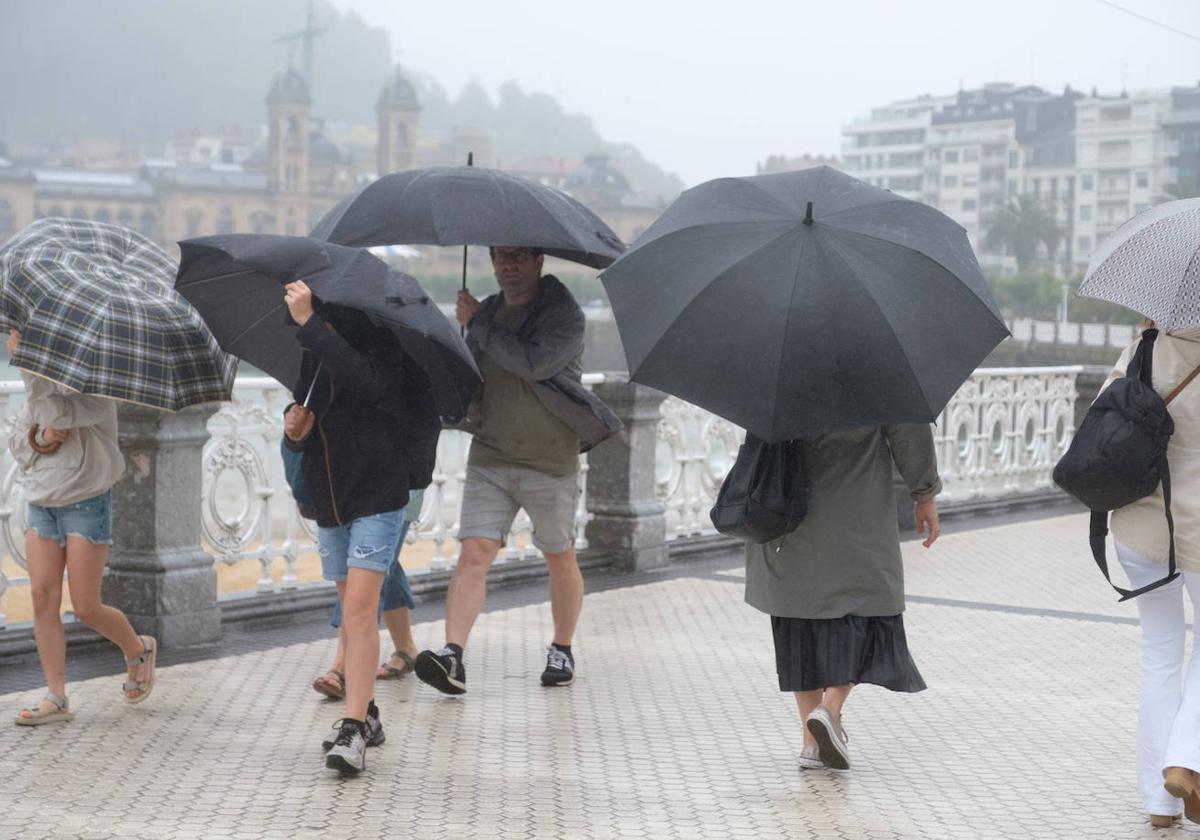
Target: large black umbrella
{"type": "Point", "coordinates": [804, 302]}
{"type": "Point", "coordinates": [97, 313]}
{"type": "Point", "coordinates": [469, 205]}
{"type": "Point", "coordinates": [236, 282]}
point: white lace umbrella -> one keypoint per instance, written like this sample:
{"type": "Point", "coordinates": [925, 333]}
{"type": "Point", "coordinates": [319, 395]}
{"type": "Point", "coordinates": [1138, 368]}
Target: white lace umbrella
{"type": "Point", "coordinates": [1151, 265]}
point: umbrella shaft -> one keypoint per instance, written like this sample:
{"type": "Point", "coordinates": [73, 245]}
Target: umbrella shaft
{"type": "Point", "coordinates": [311, 386]}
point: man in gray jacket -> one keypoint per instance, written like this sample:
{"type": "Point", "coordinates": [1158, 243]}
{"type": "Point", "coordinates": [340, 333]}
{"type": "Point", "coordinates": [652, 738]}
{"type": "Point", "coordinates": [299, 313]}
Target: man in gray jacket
{"type": "Point", "coordinates": [533, 419]}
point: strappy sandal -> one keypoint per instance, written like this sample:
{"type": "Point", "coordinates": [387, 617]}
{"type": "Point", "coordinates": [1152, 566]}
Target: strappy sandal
{"type": "Point", "coordinates": [62, 713]}
{"type": "Point", "coordinates": [391, 673]}
{"type": "Point", "coordinates": [322, 685]}
{"type": "Point", "coordinates": [148, 657]}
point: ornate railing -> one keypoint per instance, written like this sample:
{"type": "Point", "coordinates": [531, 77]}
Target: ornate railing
{"type": "Point", "coordinates": [999, 436]}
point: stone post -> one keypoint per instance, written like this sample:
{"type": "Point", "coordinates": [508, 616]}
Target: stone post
{"type": "Point", "coordinates": [628, 519]}
{"type": "Point", "coordinates": [158, 574]}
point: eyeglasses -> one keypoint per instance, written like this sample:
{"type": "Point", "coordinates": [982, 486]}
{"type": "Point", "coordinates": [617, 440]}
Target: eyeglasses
{"type": "Point", "coordinates": [514, 256]}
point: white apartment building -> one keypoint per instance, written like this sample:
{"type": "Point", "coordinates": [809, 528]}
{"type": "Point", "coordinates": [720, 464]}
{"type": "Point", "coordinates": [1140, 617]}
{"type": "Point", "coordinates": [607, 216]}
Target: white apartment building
{"type": "Point", "coordinates": [1121, 163]}
{"type": "Point", "coordinates": [887, 149]}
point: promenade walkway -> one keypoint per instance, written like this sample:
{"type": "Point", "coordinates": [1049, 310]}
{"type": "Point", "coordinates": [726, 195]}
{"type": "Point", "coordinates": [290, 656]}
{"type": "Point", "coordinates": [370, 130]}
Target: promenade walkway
{"type": "Point", "coordinates": [673, 729]}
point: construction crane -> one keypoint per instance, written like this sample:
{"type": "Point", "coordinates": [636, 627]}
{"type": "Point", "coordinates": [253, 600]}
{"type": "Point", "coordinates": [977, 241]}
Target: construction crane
{"type": "Point", "coordinates": [307, 35]}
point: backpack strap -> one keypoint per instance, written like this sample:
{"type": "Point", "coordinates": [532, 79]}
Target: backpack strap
{"type": "Point", "coordinates": [1179, 388]}
{"type": "Point", "coordinates": [1141, 366]}
{"type": "Point", "coordinates": [1099, 533]}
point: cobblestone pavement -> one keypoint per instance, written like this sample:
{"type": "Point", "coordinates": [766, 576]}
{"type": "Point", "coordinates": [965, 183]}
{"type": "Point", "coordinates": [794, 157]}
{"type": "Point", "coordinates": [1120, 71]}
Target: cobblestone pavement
{"type": "Point", "coordinates": [673, 728]}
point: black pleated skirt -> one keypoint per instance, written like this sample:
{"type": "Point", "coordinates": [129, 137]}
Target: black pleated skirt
{"type": "Point", "coordinates": [815, 653]}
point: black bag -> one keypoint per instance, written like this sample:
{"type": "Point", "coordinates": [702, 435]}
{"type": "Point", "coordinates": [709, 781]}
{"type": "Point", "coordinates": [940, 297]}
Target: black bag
{"type": "Point", "coordinates": [764, 496]}
{"type": "Point", "coordinates": [1119, 455]}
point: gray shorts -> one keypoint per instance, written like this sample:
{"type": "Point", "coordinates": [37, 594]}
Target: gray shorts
{"type": "Point", "coordinates": [493, 495]}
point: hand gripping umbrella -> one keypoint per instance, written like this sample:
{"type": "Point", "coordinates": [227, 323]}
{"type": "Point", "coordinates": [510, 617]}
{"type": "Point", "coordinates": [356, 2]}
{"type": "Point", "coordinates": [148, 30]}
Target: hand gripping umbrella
{"type": "Point", "coordinates": [802, 303]}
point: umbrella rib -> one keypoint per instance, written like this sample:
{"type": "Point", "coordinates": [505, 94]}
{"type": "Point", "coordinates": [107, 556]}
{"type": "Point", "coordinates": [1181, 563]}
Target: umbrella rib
{"type": "Point", "coordinates": [225, 276]}
{"type": "Point", "coordinates": [257, 321]}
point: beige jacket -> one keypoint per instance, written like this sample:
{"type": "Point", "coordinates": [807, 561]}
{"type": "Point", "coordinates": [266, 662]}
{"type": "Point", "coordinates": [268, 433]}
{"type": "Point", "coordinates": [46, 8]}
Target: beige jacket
{"type": "Point", "coordinates": [88, 463]}
{"type": "Point", "coordinates": [1142, 526]}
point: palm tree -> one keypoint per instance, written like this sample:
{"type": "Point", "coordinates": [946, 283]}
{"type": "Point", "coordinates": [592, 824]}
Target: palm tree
{"type": "Point", "coordinates": [1021, 227]}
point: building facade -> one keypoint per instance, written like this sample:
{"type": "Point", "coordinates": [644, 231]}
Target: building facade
{"type": "Point", "coordinates": [887, 148]}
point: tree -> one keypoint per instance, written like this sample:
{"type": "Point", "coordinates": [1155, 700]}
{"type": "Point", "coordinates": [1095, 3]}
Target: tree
{"type": "Point", "coordinates": [1021, 226]}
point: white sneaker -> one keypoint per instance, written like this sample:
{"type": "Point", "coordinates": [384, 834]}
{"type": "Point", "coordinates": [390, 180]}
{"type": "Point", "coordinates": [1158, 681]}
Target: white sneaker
{"type": "Point", "coordinates": [831, 739]}
{"type": "Point", "coordinates": [810, 757]}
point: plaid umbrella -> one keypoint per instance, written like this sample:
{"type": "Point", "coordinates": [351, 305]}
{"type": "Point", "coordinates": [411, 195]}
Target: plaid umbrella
{"type": "Point", "coordinates": [98, 313]}
{"type": "Point", "coordinates": [1152, 265]}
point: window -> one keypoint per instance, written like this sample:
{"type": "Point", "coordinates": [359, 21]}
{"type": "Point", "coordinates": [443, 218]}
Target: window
{"type": "Point", "coordinates": [950, 156]}
{"type": "Point", "coordinates": [1014, 160]}
{"type": "Point", "coordinates": [969, 204]}
{"type": "Point", "coordinates": [970, 155]}
{"type": "Point", "coordinates": [1086, 184]}
{"type": "Point", "coordinates": [293, 129]}
{"type": "Point", "coordinates": [79, 213]}
{"type": "Point", "coordinates": [8, 219]}
{"type": "Point", "coordinates": [56, 211]}
{"type": "Point", "coordinates": [262, 222]}
{"type": "Point", "coordinates": [970, 180]}
{"type": "Point", "coordinates": [224, 220]}
{"type": "Point", "coordinates": [1085, 245]}
{"type": "Point", "coordinates": [125, 217]}
{"type": "Point", "coordinates": [191, 221]}
{"type": "Point", "coordinates": [148, 224]}
{"type": "Point", "coordinates": [1085, 212]}
{"type": "Point", "coordinates": [1143, 180]}
{"type": "Point", "coordinates": [950, 181]}
{"type": "Point", "coordinates": [102, 215]}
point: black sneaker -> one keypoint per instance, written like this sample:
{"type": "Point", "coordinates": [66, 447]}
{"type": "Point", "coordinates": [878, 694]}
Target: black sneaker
{"type": "Point", "coordinates": [442, 670]}
{"type": "Point", "coordinates": [560, 668]}
{"type": "Point", "coordinates": [375, 735]}
{"type": "Point", "coordinates": [349, 751]}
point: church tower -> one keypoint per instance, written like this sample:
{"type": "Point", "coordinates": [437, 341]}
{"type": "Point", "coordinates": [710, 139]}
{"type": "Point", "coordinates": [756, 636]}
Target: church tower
{"type": "Point", "coordinates": [399, 113]}
{"type": "Point", "coordinates": [289, 107]}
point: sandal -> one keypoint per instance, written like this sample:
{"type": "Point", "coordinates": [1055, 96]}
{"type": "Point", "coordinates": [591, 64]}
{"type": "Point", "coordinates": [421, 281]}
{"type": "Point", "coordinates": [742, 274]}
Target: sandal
{"type": "Point", "coordinates": [387, 672]}
{"type": "Point", "coordinates": [35, 718]}
{"type": "Point", "coordinates": [148, 657]}
{"type": "Point", "coordinates": [326, 686]}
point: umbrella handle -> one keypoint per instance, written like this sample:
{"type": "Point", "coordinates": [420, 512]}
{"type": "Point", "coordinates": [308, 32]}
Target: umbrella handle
{"type": "Point", "coordinates": [311, 386]}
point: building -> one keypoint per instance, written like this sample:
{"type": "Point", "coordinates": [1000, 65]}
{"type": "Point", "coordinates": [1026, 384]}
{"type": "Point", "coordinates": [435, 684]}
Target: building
{"type": "Point", "coordinates": [783, 163]}
{"type": "Point", "coordinates": [887, 149]}
{"type": "Point", "coordinates": [1182, 129]}
{"type": "Point", "coordinates": [1121, 162]}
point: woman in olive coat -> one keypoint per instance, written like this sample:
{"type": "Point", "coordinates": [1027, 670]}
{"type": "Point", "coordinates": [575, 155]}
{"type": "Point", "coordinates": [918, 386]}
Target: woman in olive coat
{"type": "Point", "coordinates": [834, 587]}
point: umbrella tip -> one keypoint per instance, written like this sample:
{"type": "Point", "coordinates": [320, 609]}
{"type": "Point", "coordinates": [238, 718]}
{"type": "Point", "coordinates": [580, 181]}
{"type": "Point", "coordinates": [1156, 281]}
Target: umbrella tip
{"type": "Point", "coordinates": [470, 158]}
{"type": "Point", "coordinates": [808, 219]}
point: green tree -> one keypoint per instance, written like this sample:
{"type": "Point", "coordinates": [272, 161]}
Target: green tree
{"type": "Point", "coordinates": [1021, 226]}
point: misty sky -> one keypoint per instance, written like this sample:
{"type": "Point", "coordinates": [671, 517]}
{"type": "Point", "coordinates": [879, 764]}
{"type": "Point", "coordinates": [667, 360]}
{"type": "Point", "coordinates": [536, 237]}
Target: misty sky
{"type": "Point", "coordinates": [709, 93]}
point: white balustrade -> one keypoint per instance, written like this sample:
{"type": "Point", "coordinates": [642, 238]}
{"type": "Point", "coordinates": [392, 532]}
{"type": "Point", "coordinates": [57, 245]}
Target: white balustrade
{"type": "Point", "coordinates": [999, 436]}
{"type": "Point", "coordinates": [1027, 331]}
{"type": "Point", "coordinates": [247, 512]}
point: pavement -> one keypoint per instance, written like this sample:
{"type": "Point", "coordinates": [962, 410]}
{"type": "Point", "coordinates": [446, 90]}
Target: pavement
{"type": "Point", "coordinates": [674, 727]}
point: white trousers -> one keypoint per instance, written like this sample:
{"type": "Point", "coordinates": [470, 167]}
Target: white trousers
{"type": "Point", "coordinates": [1169, 710]}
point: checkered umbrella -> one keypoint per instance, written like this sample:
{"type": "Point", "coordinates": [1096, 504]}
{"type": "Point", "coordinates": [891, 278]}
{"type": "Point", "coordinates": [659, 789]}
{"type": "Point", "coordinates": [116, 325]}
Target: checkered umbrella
{"type": "Point", "coordinates": [98, 312]}
{"type": "Point", "coordinates": [1152, 265]}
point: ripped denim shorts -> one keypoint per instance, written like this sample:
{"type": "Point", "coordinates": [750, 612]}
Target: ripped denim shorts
{"type": "Point", "coordinates": [89, 518]}
{"type": "Point", "coordinates": [369, 542]}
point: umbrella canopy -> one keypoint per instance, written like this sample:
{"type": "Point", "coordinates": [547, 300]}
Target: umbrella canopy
{"type": "Point", "coordinates": [802, 303]}
{"type": "Point", "coordinates": [98, 313]}
{"type": "Point", "coordinates": [469, 205]}
{"type": "Point", "coordinates": [236, 282]}
{"type": "Point", "coordinates": [1151, 265]}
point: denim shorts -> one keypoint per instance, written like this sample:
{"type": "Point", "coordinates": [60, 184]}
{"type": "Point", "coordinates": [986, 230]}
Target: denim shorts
{"type": "Point", "coordinates": [396, 592]}
{"type": "Point", "coordinates": [369, 542]}
{"type": "Point", "coordinates": [90, 519]}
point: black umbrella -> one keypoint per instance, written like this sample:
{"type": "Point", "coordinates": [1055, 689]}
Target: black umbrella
{"type": "Point", "coordinates": [236, 282]}
{"type": "Point", "coordinates": [469, 205]}
{"type": "Point", "coordinates": [802, 303]}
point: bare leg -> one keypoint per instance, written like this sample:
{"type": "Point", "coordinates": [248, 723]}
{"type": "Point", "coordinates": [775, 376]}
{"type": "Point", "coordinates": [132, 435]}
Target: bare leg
{"type": "Point", "coordinates": [339, 657]}
{"type": "Point", "coordinates": [360, 603]}
{"type": "Point", "coordinates": [468, 587]}
{"type": "Point", "coordinates": [566, 594]}
{"type": "Point", "coordinates": [85, 564]}
{"type": "Point", "coordinates": [46, 560]}
{"type": "Point", "coordinates": [835, 698]}
{"type": "Point", "coordinates": [399, 627]}
{"type": "Point", "coordinates": [806, 701]}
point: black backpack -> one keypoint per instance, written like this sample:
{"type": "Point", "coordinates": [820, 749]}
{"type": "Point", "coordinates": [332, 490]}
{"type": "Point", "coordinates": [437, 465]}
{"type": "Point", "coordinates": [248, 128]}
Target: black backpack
{"type": "Point", "coordinates": [764, 496]}
{"type": "Point", "coordinates": [1119, 455]}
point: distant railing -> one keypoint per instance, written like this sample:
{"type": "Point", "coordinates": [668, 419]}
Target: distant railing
{"type": "Point", "coordinates": [1029, 331]}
